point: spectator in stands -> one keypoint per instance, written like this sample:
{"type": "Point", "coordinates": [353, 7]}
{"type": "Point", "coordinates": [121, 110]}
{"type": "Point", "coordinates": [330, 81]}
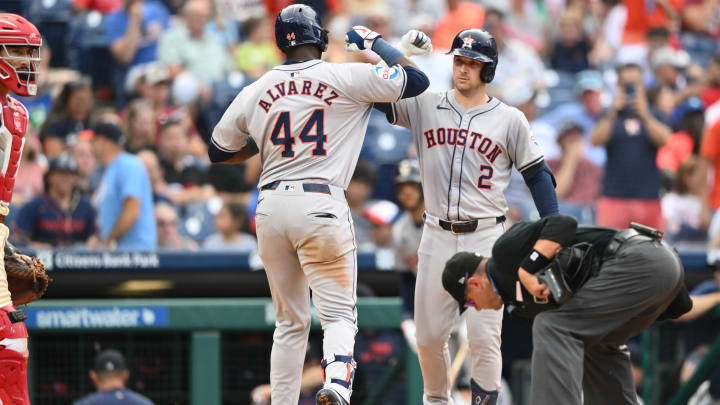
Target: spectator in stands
{"type": "Point", "coordinates": [382, 215]}
{"type": "Point", "coordinates": [29, 180]}
{"type": "Point", "coordinates": [407, 231]}
{"type": "Point", "coordinates": [711, 93]}
{"type": "Point", "coordinates": [68, 116]}
{"type": "Point", "coordinates": [632, 135]}
{"type": "Point", "coordinates": [686, 142]}
{"type": "Point", "coordinates": [169, 238]}
{"type": "Point", "coordinates": [155, 173]}
{"type": "Point", "coordinates": [578, 179]}
{"type": "Point", "coordinates": [586, 110]}
{"type": "Point", "coordinates": [686, 208]}
{"type": "Point", "coordinates": [103, 6]}
{"type": "Point", "coordinates": [231, 224]}
{"type": "Point", "coordinates": [516, 61]}
{"type": "Point", "coordinates": [258, 53]}
{"type": "Point", "coordinates": [358, 192]}
{"type": "Point", "coordinates": [186, 47]}
{"type": "Point", "coordinates": [710, 150]}
{"type": "Point", "coordinates": [460, 15]}
{"type": "Point", "coordinates": [701, 28]}
{"type": "Point", "coordinates": [139, 126]}
{"type": "Point", "coordinates": [110, 375]}
{"type": "Point", "coordinates": [133, 33]}
{"type": "Point", "coordinates": [179, 166]}
{"type": "Point", "coordinates": [124, 197]}
{"type": "Point", "coordinates": [89, 172]}
{"type": "Point", "coordinates": [570, 51]}
{"type": "Point", "coordinates": [60, 217]}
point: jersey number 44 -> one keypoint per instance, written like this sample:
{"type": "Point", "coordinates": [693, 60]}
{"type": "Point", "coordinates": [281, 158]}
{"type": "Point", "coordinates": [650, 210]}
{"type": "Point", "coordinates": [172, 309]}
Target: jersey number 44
{"type": "Point", "coordinates": [312, 132]}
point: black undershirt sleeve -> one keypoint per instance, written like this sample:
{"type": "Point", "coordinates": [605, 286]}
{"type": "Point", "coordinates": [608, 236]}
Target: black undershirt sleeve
{"type": "Point", "coordinates": [559, 228]}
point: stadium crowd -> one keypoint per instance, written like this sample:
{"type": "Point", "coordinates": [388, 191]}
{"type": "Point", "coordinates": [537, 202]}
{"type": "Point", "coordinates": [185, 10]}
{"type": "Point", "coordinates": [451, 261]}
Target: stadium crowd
{"type": "Point", "coordinates": [621, 95]}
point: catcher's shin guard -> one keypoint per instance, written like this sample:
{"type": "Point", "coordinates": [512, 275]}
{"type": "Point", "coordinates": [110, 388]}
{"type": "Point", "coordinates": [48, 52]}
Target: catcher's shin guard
{"type": "Point", "coordinates": [482, 397]}
{"type": "Point", "coordinates": [13, 357]}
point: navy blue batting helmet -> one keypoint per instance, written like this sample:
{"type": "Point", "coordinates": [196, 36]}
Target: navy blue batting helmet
{"type": "Point", "coordinates": [477, 44]}
{"type": "Point", "coordinates": [299, 24]}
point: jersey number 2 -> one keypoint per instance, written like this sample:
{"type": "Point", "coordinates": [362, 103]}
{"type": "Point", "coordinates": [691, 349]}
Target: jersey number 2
{"type": "Point", "coordinates": [281, 134]}
{"type": "Point", "coordinates": [485, 176]}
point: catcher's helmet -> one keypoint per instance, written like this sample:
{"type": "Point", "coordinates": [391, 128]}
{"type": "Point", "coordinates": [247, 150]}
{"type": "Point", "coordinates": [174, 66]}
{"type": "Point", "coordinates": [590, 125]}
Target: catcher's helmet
{"type": "Point", "coordinates": [17, 31]}
{"type": "Point", "coordinates": [477, 44]}
{"type": "Point", "coordinates": [408, 172]}
{"type": "Point", "coordinates": [299, 24]}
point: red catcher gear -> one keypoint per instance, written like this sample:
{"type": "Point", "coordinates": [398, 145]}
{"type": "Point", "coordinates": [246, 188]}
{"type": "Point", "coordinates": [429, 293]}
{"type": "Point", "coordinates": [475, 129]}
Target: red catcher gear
{"type": "Point", "coordinates": [13, 364]}
{"type": "Point", "coordinates": [13, 124]}
{"type": "Point", "coordinates": [15, 30]}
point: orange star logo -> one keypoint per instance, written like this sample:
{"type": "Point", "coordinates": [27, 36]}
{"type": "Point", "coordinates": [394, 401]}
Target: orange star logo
{"type": "Point", "coordinates": [291, 36]}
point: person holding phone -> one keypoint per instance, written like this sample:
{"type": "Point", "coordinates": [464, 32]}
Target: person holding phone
{"type": "Point", "coordinates": [631, 133]}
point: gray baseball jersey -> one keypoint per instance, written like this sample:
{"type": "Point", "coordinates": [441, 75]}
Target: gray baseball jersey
{"type": "Point", "coordinates": [308, 119]}
{"type": "Point", "coordinates": [485, 141]}
{"type": "Point", "coordinates": [406, 240]}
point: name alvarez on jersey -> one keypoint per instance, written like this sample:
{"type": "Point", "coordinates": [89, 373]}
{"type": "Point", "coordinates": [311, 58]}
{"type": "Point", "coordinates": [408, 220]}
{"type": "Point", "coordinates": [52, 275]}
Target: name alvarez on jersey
{"type": "Point", "coordinates": [308, 88]}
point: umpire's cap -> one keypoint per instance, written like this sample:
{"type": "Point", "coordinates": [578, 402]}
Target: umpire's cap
{"type": "Point", "coordinates": [408, 172]}
{"type": "Point", "coordinates": [299, 24]}
{"type": "Point", "coordinates": [457, 271]}
{"type": "Point", "coordinates": [477, 44]}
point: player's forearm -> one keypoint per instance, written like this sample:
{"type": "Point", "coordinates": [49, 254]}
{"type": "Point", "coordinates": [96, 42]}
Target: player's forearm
{"type": "Point", "coordinates": [129, 214]}
{"type": "Point", "coordinates": [219, 156]}
{"type": "Point", "coordinates": [701, 305]}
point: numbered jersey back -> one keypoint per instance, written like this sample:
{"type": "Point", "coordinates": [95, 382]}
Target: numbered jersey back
{"type": "Point", "coordinates": [309, 119]}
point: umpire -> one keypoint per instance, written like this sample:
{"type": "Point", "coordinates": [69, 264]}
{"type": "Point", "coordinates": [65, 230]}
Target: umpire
{"type": "Point", "coordinates": [600, 286]}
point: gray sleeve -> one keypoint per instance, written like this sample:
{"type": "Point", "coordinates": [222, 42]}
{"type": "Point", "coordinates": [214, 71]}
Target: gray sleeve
{"type": "Point", "coordinates": [368, 83]}
{"type": "Point", "coordinates": [522, 147]}
{"type": "Point", "coordinates": [231, 132]}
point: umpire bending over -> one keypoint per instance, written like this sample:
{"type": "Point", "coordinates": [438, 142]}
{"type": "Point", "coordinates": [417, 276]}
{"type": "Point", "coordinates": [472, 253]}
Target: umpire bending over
{"type": "Point", "coordinates": [599, 287]}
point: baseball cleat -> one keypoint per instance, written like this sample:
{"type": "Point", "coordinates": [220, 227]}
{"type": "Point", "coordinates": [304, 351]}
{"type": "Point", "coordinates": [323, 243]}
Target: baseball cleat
{"type": "Point", "coordinates": [327, 396]}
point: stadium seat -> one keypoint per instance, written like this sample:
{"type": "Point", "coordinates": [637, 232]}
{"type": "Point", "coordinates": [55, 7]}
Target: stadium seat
{"type": "Point", "coordinates": [52, 19]}
{"type": "Point", "coordinates": [89, 45]}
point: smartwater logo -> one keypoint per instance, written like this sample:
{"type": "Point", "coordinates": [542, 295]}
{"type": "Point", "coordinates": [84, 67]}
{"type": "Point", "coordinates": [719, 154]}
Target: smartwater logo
{"type": "Point", "coordinates": [97, 317]}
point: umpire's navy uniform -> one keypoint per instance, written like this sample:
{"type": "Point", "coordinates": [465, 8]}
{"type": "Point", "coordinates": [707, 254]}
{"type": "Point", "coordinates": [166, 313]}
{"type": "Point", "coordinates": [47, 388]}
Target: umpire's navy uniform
{"type": "Point", "coordinates": [579, 349]}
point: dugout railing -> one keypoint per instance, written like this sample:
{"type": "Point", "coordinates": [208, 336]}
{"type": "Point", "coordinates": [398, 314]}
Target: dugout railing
{"type": "Point", "coordinates": [194, 337]}
{"type": "Point", "coordinates": [204, 321]}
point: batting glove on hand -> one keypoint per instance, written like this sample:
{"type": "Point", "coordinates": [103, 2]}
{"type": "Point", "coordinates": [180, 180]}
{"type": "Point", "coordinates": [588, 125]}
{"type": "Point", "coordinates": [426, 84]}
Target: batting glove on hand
{"type": "Point", "coordinates": [415, 42]}
{"type": "Point", "coordinates": [360, 37]}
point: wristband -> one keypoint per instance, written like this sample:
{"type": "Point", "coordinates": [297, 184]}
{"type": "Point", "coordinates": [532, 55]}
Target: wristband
{"type": "Point", "coordinates": [534, 262]}
{"type": "Point", "coordinates": [386, 52]}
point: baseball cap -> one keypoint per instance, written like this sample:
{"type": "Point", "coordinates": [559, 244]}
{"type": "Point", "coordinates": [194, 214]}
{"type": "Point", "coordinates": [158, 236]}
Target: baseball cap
{"type": "Point", "coordinates": [63, 163]}
{"type": "Point", "coordinates": [109, 131]}
{"type": "Point", "coordinates": [109, 360]}
{"type": "Point", "coordinates": [589, 80]}
{"type": "Point", "coordinates": [669, 56]}
{"type": "Point", "coordinates": [568, 127]}
{"type": "Point", "coordinates": [382, 212]}
{"type": "Point", "coordinates": [457, 270]}
{"type": "Point", "coordinates": [155, 73]}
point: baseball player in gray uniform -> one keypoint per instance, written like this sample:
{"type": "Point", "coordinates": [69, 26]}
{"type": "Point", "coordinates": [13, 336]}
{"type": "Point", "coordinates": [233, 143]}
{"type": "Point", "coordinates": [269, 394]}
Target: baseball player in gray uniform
{"type": "Point", "coordinates": [407, 232]}
{"type": "Point", "coordinates": [307, 120]}
{"type": "Point", "coordinates": [467, 143]}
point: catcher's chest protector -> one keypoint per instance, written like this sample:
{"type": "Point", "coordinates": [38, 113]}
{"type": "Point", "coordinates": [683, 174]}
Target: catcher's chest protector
{"type": "Point", "coordinates": [13, 363]}
{"type": "Point", "coordinates": [13, 124]}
